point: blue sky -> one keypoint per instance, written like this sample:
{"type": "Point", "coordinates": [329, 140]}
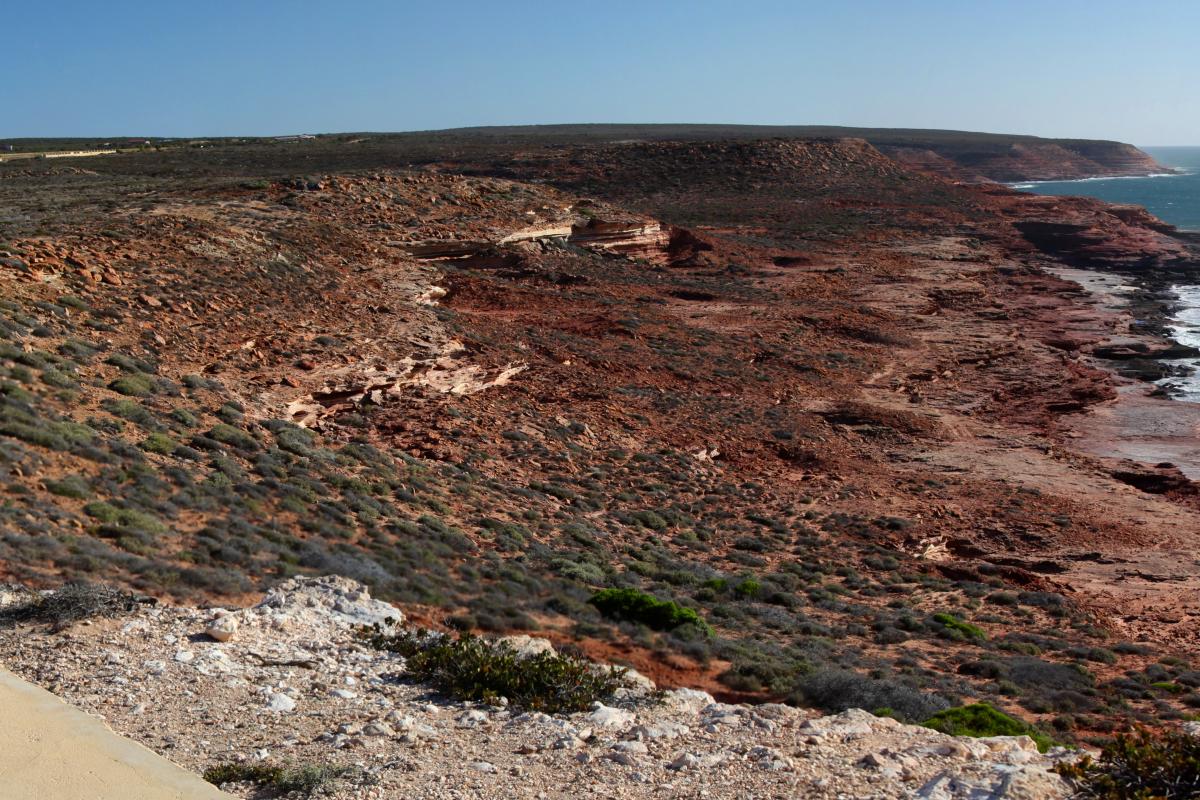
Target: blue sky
{"type": "Point", "coordinates": [1097, 69]}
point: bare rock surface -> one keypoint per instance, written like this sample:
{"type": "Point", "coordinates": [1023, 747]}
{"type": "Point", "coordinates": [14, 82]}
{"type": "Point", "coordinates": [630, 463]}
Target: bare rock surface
{"type": "Point", "coordinates": [296, 685]}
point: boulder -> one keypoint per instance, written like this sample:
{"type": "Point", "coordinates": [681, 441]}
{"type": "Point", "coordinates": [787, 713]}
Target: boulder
{"type": "Point", "coordinates": [222, 628]}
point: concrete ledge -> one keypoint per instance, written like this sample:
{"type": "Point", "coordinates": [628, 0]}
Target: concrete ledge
{"type": "Point", "coordinates": [52, 751]}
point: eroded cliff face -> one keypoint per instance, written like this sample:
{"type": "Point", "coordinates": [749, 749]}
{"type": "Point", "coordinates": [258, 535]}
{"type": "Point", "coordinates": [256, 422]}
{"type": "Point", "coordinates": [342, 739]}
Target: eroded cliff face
{"type": "Point", "coordinates": [1032, 160]}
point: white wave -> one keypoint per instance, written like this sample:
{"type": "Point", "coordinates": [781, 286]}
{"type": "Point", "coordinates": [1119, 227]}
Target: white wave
{"type": "Point", "coordinates": [1034, 184]}
{"type": "Point", "coordinates": [1185, 329]}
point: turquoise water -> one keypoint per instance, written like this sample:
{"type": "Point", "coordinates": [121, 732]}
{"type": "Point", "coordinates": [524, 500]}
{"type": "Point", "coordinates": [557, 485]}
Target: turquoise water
{"type": "Point", "coordinates": [1172, 198]}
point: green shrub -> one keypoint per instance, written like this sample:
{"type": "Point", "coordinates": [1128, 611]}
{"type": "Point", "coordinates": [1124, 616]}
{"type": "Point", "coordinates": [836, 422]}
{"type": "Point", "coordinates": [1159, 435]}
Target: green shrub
{"type": "Point", "coordinates": [126, 519]}
{"type": "Point", "coordinates": [158, 443]}
{"type": "Point", "coordinates": [73, 432]}
{"type": "Point", "coordinates": [295, 440]}
{"type": "Point", "coordinates": [1139, 766]}
{"type": "Point", "coordinates": [1003, 598]}
{"type": "Point", "coordinates": [104, 512]}
{"type": "Point", "coordinates": [472, 668]}
{"type": "Point", "coordinates": [1169, 686]}
{"type": "Point", "coordinates": [130, 410]}
{"type": "Point", "coordinates": [749, 588]}
{"type": "Point", "coordinates": [581, 571]}
{"type": "Point", "coordinates": [129, 364]}
{"type": "Point", "coordinates": [59, 380]}
{"type": "Point", "coordinates": [635, 606]}
{"type": "Point", "coordinates": [651, 519]}
{"type": "Point", "coordinates": [184, 417]}
{"type": "Point", "coordinates": [955, 628]}
{"type": "Point", "coordinates": [760, 669]}
{"type": "Point", "coordinates": [980, 720]}
{"type": "Point", "coordinates": [133, 385]}
{"type": "Point", "coordinates": [276, 779]}
{"type": "Point", "coordinates": [79, 351]}
{"type": "Point", "coordinates": [70, 486]}
{"type": "Point", "coordinates": [227, 434]}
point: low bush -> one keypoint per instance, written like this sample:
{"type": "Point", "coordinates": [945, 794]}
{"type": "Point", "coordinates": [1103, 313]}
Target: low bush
{"type": "Point", "coordinates": [952, 627]}
{"type": "Point", "coordinates": [749, 588]}
{"type": "Point", "coordinates": [158, 443]}
{"type": "Point", "coordinates": [133, 385]}
{"type": "Point", "coordinates": [227, 434]}
{"type": "Point", "coordinates": [472, 668]}
{"type": "Point", "coordinates": [130, 410]}
{"type": "Point", "coordinates": [635, 606]}
{"type": "Point", "coordinates": [276, 779]}
{"type": "Point", "coordinates": [1038, 675]}
{"type": "Point", "coordinates": [651, 519]}
{"type": "Point", "coordinates": [836, 690]}
{"type": "Point", "coordinates": [980, 720]}
{"type": "Point", "coordinates": [1139, 766]}
{"type": "Point", "coordinates": [70, 486]}
{"type": "Point", "coordinates": [124, 518]}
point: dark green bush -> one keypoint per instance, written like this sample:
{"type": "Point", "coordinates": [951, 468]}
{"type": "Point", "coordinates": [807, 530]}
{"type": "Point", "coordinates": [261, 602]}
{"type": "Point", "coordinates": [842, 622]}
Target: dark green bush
{"type": "Point", "coordinates": [748, 588]}
{"type": "Point", "coordinates": [78, 351]}
{"type": "Point", "coordinates": [635, 606]}
{"type": "Point", "coordinates": [472, 668]}
{"type": "Point", "coordinates": [981, 719]}
{"type": "Point", "coordinates": [953, 627]}
{"type": "Point", "coordinates": [1139, 766]}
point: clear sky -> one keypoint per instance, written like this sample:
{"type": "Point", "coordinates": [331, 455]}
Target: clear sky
{"type": "Point", "coordinates": [1086, 68]}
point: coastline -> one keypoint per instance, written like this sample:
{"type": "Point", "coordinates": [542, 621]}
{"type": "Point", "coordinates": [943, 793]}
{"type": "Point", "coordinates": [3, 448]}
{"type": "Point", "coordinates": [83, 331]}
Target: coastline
{"type": "Point", "coordinates": [1029, 184]}
{"type": "Point", "coordinates": [1144, 423]}
{"type": "Point", "coordinates": [1173, 202]}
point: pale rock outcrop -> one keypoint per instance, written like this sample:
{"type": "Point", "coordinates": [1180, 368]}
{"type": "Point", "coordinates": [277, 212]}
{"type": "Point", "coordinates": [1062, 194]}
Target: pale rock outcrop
{"type": "Point", "coordinates": [223, 627]}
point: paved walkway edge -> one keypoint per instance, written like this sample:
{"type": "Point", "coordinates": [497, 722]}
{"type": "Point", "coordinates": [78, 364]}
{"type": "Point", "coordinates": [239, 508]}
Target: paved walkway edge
{"type": "Point", "coordinates": [52, 751]}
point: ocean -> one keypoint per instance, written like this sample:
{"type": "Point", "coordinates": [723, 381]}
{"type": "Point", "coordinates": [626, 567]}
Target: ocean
{"type": "Point", "coordinates": [1171, 198]}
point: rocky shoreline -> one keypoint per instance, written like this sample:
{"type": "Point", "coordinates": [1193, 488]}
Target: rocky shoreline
{"type": "Point", "coordinates": [1157, 429]}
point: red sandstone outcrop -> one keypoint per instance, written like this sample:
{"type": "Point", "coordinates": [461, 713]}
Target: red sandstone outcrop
{"type": "Point", "coordinates": [1090, 233]}
{"type": "Point", "coordinates": [632, 238]}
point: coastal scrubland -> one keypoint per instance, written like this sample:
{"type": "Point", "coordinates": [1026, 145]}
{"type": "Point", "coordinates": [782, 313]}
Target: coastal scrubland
{"type": "Point", "coordinates": [780, 418]}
